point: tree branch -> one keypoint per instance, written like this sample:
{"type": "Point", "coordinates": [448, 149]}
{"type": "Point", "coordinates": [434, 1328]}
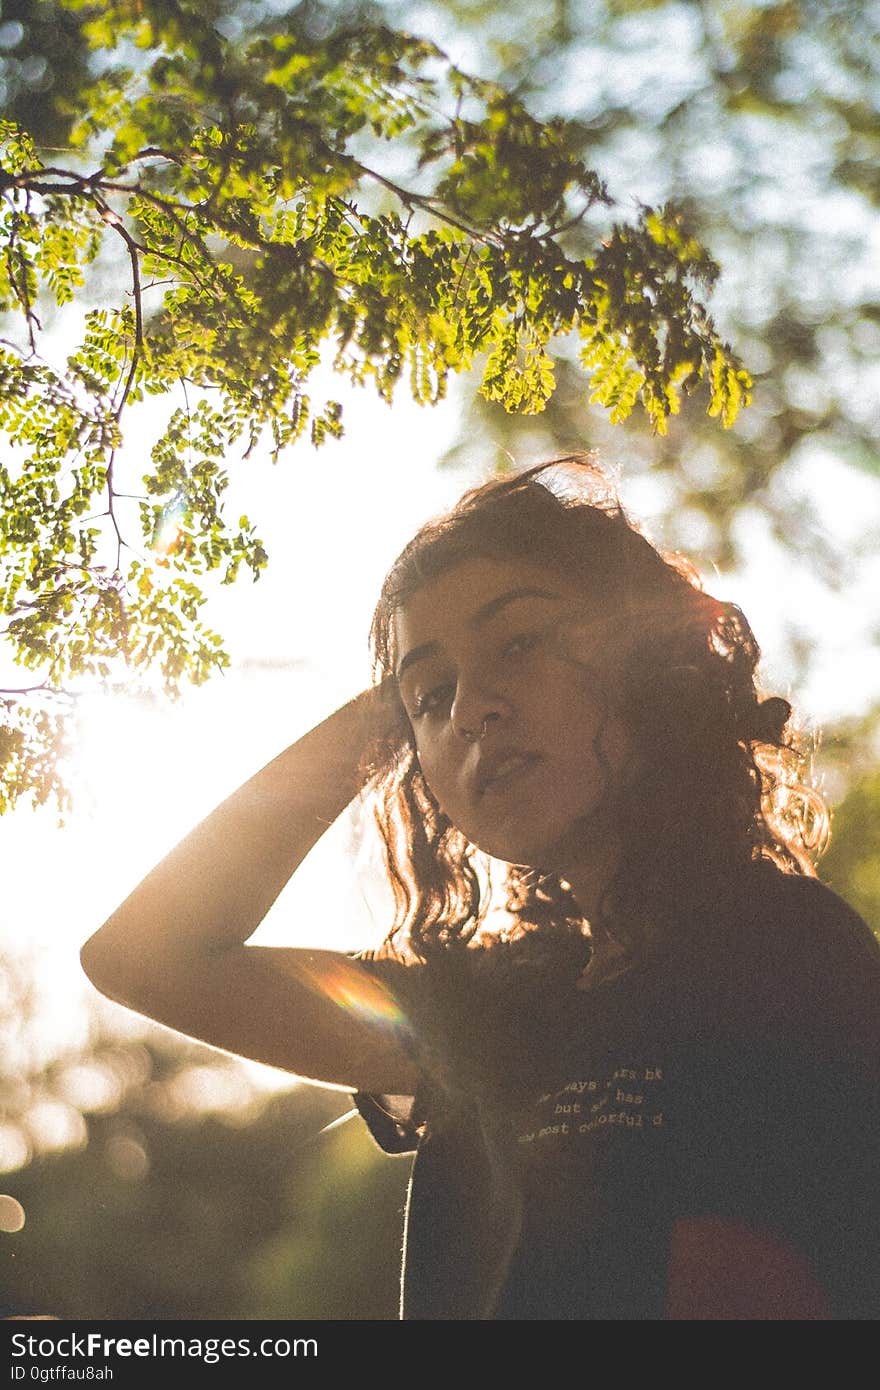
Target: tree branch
{"type": "Point", "coordinates": [115, 221]}
{"type": "Point", "coordinates": [43, 689]}
{"type": "Point", "coordinates": [427, 204]}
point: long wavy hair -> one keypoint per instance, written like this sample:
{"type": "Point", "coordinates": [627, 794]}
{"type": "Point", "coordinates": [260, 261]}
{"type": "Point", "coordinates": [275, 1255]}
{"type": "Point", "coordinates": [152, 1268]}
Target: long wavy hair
{"type": "Point", "coordinates": [721, 770]}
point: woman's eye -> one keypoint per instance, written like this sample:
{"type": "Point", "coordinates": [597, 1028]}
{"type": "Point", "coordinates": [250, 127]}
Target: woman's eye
{"type": "Point", "coordinates": [432, 700]}
{"type": "Point", "coordinates": [523, 642]}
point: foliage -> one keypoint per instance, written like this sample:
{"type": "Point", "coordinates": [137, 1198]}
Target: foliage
{"type": "Point", "coordinates": [42, 52]}
{"type": "Point", "coordinates": [763, 118]}
{"type": "Point", "coordinates": [252, 189]}
{"type": "Point", "coordinates": [852, 864]}
{"type": "Point", "coordinates": [162, 1184]}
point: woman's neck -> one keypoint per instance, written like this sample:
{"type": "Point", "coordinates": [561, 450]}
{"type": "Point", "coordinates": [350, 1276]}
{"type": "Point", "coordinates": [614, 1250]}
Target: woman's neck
{"type": "Point", "coordinates": [590, 873]}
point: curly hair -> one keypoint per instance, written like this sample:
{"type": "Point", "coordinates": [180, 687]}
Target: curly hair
{"type": "Point", "coordinates": [720, 768]}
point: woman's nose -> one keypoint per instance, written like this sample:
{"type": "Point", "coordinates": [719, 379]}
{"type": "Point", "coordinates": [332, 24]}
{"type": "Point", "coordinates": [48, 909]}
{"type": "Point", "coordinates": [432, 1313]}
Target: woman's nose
{"type": "Point", "coordinates": [475, 710]}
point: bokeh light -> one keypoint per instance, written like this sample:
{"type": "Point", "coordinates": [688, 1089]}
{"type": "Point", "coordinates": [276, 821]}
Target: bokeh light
{"type": "Point", "coordinates": [12, 1215]}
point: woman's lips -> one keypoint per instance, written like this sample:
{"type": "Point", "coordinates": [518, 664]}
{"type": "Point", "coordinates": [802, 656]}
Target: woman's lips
{"type": "Point", "coordinates": [501, 771]}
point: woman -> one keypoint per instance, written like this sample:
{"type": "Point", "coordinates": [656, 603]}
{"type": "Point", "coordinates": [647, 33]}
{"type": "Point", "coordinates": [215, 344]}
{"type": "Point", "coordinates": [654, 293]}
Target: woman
{"type": "Point", "coordinates": [652, 1091]}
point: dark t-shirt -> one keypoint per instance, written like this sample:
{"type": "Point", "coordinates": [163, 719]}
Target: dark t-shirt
{"type": "Point", "coordinates": [562, 1130]}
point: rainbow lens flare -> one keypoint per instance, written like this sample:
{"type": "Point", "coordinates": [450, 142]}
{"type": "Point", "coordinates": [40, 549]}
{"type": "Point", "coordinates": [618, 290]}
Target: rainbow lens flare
{"type": "Point", "coordinates": [360, 994]}
{"type": "Point", "coordinates": [170, 535]}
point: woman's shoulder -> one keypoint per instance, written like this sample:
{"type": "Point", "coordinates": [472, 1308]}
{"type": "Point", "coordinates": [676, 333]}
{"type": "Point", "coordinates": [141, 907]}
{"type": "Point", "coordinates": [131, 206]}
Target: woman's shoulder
{"type": "Point", "coordinates": [797, 910]}
{"type": "Point", "coordinates": [489, 960]}
{"type": "Point", "coordinates": [478, 1011]}
{"type": "Point", "coordinates": [808, 948]}
{"type": "Point", "coordinates": [395, 971]}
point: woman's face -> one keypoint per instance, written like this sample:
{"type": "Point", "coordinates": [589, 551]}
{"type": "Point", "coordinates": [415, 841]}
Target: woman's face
{"type": "Point", "coordinates": [503, 671]}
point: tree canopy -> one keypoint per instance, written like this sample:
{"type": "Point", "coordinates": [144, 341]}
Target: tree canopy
{"type": "Point", "coordinates": [763, 119]}
{"type": "Point", "coordinates": [280, 199]}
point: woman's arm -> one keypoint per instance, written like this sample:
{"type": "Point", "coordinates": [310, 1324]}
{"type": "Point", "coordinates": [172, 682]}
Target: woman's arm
{"type": "Point", "coordinates": [175, 948]}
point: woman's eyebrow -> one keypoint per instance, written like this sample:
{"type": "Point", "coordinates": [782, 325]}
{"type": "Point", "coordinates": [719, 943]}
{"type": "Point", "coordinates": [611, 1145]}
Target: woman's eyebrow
{"type": "Point", "coordinates": [495, 605]}
{"type": "Point", "coordinates": [482, 615]}
{"type": "Point", "coordinates": [416, 654]}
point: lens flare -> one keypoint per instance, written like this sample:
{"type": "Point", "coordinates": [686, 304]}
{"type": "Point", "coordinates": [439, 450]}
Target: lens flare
{"type": "Point", "coordinates": [360, 994]}
{"type": "Point", "coordinates": [170, 536]}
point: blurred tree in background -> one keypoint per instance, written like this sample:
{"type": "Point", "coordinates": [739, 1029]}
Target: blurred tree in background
{"type": "Point", "coordinates": [44, 63]}
{"type": "Point", "coordinates": [763, 121]}
{"type": "Point", "coordinates": [154, 1181]}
